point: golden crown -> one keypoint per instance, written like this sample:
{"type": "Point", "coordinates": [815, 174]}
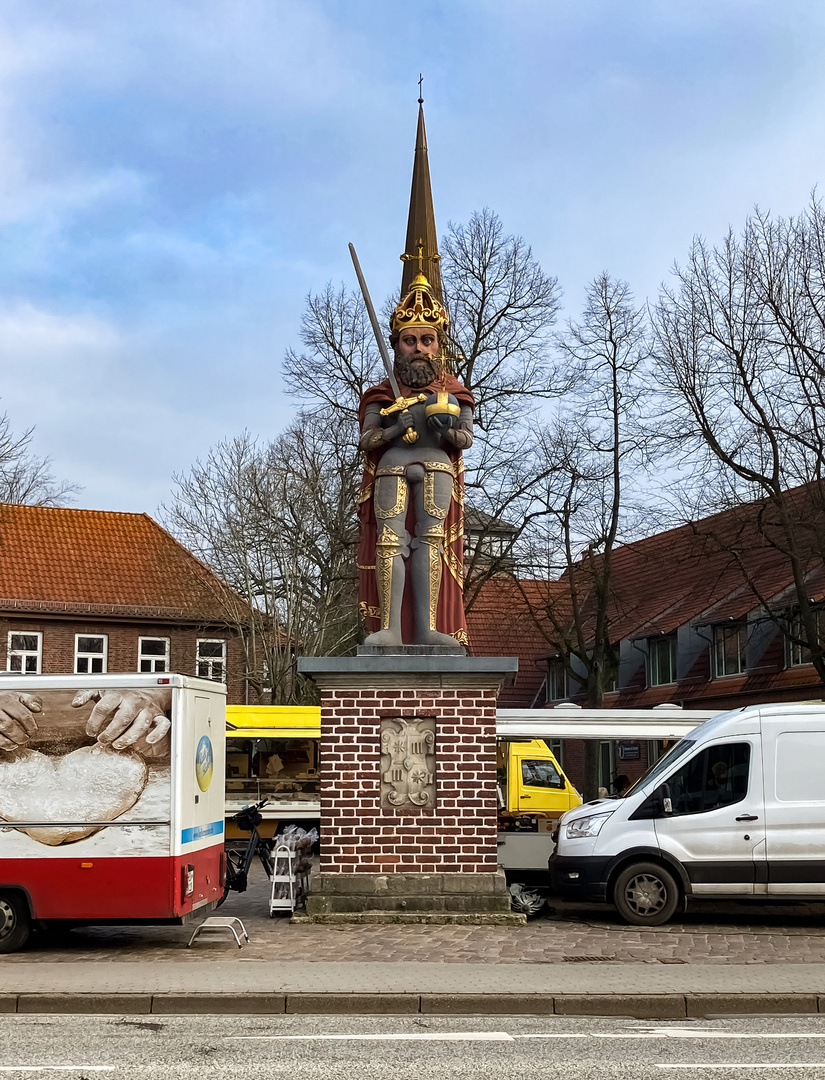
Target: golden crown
{"type": "Point", "coordinates": [419, 308]}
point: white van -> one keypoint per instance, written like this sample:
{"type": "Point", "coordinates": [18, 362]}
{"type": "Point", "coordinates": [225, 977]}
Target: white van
{"type": "Point", "coordinates": [735, 810]}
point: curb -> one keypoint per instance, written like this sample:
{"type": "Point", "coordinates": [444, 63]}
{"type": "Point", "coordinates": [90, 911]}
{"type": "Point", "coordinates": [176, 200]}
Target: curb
{"type": "Point", "coordinates": [634, 1006]}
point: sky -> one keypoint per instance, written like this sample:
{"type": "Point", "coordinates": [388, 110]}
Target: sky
{"type": "Point", "coordinates": [176, 177]}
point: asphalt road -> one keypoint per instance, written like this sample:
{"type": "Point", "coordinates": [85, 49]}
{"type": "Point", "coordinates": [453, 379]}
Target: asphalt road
{"type": "Point", "coordinates": [427, 1048]}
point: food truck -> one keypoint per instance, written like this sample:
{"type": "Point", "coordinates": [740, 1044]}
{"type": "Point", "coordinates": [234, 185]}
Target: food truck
{"type": "Point", "coordinates": [272, 753]}
{"type": "Point", "coordinates": [111, 800]}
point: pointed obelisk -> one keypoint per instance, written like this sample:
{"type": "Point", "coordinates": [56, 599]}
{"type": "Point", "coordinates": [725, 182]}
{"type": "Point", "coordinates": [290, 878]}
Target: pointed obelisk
{"type": "Point", "coordinates": [421, 228]}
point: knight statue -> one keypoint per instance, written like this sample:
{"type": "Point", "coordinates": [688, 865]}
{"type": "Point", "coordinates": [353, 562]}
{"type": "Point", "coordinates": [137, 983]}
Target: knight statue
{"type": "Point", "coordinates": [414, 426]}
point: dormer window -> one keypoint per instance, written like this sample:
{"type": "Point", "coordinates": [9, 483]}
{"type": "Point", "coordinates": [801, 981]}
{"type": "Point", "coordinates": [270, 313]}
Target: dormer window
{"type": "Point", "coordinates": [729, 641]}
{"type": "Point", "coordinates": [661, 660]}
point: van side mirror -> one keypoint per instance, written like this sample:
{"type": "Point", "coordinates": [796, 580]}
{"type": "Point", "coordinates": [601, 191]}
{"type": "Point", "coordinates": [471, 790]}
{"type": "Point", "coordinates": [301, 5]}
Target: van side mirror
{"type": "Point", "coordinates": [658, 804]}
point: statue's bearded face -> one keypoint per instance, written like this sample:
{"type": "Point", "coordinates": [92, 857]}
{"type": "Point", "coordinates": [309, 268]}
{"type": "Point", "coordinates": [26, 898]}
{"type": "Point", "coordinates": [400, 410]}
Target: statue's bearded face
{"type": "Point", "coordinates": [417, 355]}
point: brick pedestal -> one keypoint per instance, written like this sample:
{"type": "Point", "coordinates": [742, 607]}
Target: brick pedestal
{"type": "Point", "coordinates": [424, 848]}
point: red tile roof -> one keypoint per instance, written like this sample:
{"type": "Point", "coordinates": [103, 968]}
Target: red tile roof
{"type": "Point", "coordinates": [697, 572]}
{"type": "Point", "coordinates": [98, 562]}
{"type": "Point", "coordinates": [501, 623]}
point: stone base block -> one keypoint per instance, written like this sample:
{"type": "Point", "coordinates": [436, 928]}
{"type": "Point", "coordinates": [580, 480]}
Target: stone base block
{"type": "Point", "coordinates": [411, 897]}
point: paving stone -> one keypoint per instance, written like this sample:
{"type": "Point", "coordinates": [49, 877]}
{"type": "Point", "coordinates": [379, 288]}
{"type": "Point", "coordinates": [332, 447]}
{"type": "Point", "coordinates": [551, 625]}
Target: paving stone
{"type": "Point", "coordinates": [708, 935]}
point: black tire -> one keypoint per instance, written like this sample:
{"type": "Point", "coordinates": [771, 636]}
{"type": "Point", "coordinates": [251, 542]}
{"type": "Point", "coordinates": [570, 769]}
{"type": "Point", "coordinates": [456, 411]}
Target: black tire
{"type": "Point", "coordinates": [15, 924]}
{"type": "Point", "coordinates": [645, 894]}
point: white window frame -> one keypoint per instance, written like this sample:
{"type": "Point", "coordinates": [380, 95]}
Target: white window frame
{"type": "Point", "coordinates": [653, 673]}
{"type": "Point", "coordinates": [84, 655]}
{"type": "Point", "coordinates": [558, 681]}
{"type": "Point", "coordinates": [722, 632]}
{"type": "Point", "coordinates": [25, 653]}
{"type": "Point", "coordinates": [211, 660]}
{"type": "Point", "coordinates": [153, 657]}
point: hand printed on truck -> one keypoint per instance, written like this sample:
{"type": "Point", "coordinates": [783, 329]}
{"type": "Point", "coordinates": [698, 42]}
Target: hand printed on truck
{"type": "Point", "coordinates": [17, 723]}
{"type": "Point", "coordinates": [129, 719]}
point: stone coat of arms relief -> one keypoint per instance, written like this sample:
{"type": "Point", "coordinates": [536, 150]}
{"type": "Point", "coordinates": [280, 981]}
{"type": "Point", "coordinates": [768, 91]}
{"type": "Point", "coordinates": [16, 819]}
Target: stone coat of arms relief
{"type": "Point", "coordinates": [408, 762]}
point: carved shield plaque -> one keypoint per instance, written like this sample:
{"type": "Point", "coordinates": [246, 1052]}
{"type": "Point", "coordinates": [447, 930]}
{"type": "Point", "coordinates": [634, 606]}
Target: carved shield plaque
{"type": "Point", "coordinates": [408, 762]}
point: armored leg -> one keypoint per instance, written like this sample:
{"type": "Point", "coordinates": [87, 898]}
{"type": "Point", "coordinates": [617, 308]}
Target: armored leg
{"type": "Point", "coordinates": [391, 545]}
{"type": "Point", "coordinates": [432, 504]}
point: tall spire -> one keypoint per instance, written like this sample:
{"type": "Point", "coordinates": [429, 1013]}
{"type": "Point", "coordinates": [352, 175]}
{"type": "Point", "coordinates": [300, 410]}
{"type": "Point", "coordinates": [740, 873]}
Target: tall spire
{"type": "Point", "coordinates": [421, 250]}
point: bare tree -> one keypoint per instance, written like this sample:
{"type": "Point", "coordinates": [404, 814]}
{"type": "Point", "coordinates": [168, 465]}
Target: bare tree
{"type": "Point", "coordinates": [276, 522]}
{"type": "Point", "coordinates": [592, 460]}
{"type": "Point", "coordinates": [24, 477]}
{"type": "Point", "coordinates": [740, 346]}
{"type": "Point", "coordinates": [340, 358]}
{"type": "Point", "coordinates": [502, 308]}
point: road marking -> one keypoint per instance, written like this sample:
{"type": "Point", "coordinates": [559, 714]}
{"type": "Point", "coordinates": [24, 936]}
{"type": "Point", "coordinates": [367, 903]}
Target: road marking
{"type": "Point", "coordinates": [748, 1065]}
{"type": "Point", "coordinates": [688, 1034]}
{"type": "Point", "coordinates": [446, 1036]}
{"type": "Point", "coordinates": [59, 1068]}
{"type": "Point", "coordinates": [683, 1034]}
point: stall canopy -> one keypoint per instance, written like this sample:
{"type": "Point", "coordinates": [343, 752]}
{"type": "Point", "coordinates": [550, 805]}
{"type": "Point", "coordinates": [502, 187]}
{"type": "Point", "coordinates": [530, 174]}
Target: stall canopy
{"type": "Point", "coordinates": [273, 722]}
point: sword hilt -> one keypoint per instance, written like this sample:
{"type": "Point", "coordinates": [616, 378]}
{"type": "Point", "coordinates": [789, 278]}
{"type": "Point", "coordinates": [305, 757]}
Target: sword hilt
{"type": "Point", "coordinates": [399, 405]}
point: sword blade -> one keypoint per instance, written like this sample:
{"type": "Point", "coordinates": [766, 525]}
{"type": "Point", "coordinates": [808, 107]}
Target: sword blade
{"type": "Point", "coordinates": [376, 329]}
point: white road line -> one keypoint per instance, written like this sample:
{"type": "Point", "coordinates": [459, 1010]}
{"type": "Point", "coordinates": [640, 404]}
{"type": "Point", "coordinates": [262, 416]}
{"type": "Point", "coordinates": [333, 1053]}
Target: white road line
{"type": "Point", "coordinates": [702, 1065]}
{"type": "Point", "coordinates": [711, 1035]}
{"type": "Point", "coordinates": [58, 1068]}
{"type": "Point", "coordinates": [701, 1034]}
{"type": "Point", "coordinates": [447, 1036]}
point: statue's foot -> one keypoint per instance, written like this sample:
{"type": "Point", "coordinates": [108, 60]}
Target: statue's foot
{"type": "Point", "coordinates": [383, 637]}
{"type": "Point", "coordinates": [433, 637]}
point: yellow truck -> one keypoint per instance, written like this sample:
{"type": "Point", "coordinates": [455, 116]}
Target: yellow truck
{"type": "Point", "coordinates": [533, 793]}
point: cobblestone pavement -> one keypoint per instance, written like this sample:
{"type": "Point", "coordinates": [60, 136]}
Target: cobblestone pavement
{"type": "Point", "coordinates": [721, 934]}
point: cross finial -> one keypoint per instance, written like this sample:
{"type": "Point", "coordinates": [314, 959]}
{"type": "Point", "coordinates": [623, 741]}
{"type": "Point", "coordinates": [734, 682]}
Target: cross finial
{"type": "Point", "coordinates": [420, 91]}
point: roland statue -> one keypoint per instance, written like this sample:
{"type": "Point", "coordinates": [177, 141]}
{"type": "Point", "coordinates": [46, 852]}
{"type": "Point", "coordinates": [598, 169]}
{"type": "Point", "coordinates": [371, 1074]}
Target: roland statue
{"type": "Point", "coordinates": [414, 426]}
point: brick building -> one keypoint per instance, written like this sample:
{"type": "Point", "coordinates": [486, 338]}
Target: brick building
{"type": "Point", "coordinates": [92, 591]}
{"type": "Point", "coordinates": [703, 616]}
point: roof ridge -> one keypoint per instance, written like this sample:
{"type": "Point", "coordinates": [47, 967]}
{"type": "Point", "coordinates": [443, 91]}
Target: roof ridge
{"type": "Point", "coordinates": [77, 510]}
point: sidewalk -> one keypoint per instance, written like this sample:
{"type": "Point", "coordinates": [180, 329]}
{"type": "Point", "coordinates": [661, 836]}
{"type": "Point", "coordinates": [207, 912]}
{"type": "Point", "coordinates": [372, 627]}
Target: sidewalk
{"type": "Point", "coordinates": [578, 961]}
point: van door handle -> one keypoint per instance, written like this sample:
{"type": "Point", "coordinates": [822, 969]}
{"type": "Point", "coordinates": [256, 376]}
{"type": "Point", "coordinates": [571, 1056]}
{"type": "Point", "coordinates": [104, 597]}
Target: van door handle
{"type": "Point", "coordinates": [747, 817]}
{"type": "Point", "coordinates": [525, 796]}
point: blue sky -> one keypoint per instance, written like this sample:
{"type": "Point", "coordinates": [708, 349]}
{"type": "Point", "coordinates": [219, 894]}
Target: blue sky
{"type": "Point", "coordinates": [176, 177]}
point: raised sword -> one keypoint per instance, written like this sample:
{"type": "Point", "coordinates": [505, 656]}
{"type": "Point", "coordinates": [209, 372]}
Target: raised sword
{"type": "Point", "coordinates": [400, 402]}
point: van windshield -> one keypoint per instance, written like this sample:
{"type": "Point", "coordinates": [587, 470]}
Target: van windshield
{"type": "Point", "coordinates": [662, 765]}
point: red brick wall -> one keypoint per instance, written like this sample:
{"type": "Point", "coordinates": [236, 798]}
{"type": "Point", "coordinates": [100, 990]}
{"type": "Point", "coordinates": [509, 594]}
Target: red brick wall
{"type": "Point", "coordinates": [59, 645]}
{"type": "Point", "coordinates": [458, 835]}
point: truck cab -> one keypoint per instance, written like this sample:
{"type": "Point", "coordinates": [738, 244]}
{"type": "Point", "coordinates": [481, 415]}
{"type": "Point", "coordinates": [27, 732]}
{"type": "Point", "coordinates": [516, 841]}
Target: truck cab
{"type": "Point", "coordinates": [533, 794]}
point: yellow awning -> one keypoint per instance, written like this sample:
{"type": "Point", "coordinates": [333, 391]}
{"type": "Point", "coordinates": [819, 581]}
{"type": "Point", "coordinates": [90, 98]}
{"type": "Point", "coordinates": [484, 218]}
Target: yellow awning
{"type": "Point", "coordinates": [273, 722]}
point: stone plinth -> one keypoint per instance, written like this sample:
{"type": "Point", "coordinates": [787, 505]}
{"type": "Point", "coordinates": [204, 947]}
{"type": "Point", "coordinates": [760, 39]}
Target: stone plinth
{"type": "Point", "coordinates": [408, 789]}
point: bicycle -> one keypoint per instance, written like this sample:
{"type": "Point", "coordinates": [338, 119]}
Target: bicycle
{"type": "Point", "coordinates": [238, 862]}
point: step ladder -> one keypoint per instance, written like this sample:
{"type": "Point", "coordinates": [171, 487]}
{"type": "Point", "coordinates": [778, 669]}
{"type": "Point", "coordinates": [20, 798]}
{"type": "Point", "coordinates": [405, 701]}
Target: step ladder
{"type": "Point", "coordinates": [284, 886]}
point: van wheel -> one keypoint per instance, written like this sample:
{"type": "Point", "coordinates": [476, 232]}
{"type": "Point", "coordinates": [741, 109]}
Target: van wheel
{"type": "Point", "coordinates": [15, 924]}
{"type": "Point", "coordinates": [645, 894]}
